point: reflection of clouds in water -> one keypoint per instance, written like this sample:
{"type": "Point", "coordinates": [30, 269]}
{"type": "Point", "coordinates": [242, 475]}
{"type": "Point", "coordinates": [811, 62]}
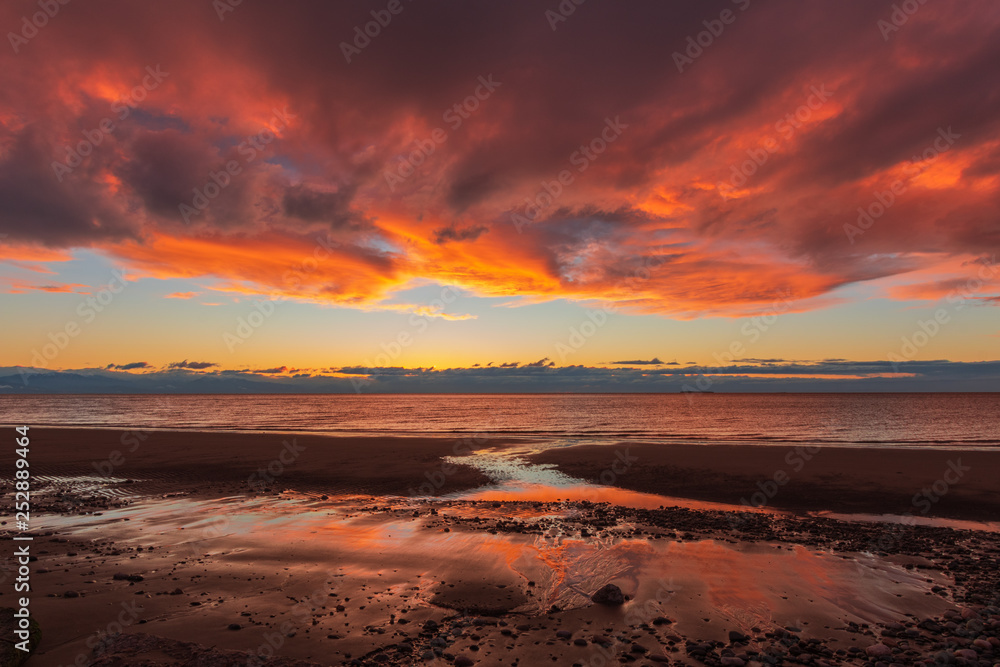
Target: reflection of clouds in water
{"type": "Point", "coordinates": [734, 585]}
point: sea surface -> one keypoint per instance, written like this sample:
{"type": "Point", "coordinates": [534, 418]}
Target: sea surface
{"type": "Point", "coordinates": [959, 420]}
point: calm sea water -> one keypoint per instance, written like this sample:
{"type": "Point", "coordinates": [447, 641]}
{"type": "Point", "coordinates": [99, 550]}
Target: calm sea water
{"type": "Point", "coordinates": [907, 420]}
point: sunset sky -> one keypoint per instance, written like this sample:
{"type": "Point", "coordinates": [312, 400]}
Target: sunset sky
{"type": "Point", "coordinates": [799, 190]}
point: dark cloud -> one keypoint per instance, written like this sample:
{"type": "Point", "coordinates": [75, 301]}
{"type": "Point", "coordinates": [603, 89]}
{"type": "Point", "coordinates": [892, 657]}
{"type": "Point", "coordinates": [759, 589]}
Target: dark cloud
{"type": "Point", "coordinates": [655, 361]}
{"type": "Point", "coordinates": [192, 365]}
{"type": "Point", "coordinates": [445, 234]}
{"type": "Point", "coordinates": [313, 205]}
{"type": "Point", "coordinates": [36, 206]}
{"type": "Point", "coordinates": [165, 168]}
{"type": "Point", "coordinates": [934, 375]}
{"type": "Point", "coordinates": [129, 367]}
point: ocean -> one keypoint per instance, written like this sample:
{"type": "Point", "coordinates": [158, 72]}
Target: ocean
{"type": "Point", "coordinates": [958, 420]}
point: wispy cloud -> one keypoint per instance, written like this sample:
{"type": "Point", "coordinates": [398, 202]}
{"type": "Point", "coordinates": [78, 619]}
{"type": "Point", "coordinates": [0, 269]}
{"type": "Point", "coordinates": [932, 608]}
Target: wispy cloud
{"type": "Point", "coordinates": [193, 365]}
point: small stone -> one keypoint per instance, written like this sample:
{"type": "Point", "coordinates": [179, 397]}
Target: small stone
{"type": "Point", "coordinates": [878, 651]}
{"type": "Point", "coordinates": [235, 626]}
{"type": "Point", "coordinates": [71, 594]}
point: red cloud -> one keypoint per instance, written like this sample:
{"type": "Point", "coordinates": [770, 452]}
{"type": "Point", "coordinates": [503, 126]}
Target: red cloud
{"type": "Point", "coordinates": [729, 188]}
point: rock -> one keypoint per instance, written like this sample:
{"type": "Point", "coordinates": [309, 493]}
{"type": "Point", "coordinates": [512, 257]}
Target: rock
{"type": "Point", "coordinates": [464, 661]}
{"type": "Point", "coordinates": [609, 595]}
{"type": "Point", "coordinates": [736, 636]}
{"type": "Point", "coordinates": [878, 651]}
{"type": "Point", "coordinates": [235, 626]}
{"type": "Point", "coordinates": [731, 661]}
{"type": "Point", "coordinates": [71, 594]}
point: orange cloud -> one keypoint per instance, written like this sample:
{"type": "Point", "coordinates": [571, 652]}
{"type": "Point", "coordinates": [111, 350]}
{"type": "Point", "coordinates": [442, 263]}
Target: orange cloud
{"type": "Point", "coordinates": [67, 288]}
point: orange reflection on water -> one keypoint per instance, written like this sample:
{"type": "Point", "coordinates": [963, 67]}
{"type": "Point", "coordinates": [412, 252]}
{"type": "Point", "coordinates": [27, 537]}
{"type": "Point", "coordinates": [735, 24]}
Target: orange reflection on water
{"type": "Point", "coordinates": [523, 492]}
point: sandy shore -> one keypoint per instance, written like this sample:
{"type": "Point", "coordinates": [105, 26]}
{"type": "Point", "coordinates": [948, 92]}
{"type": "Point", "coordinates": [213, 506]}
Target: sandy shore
{"type": "Point", "coordinates": [382, 465]}
{"type": "Point", "coordinates": [922, 482]}
{"type": "Point", "coordinates": [194, 549]}
{"type": "Point", "coordinates": [839, 479]}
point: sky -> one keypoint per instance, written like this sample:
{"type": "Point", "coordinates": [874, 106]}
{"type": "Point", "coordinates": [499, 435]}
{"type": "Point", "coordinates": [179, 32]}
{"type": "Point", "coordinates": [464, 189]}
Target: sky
{"type": "Point", "coordinates": [412, 195]}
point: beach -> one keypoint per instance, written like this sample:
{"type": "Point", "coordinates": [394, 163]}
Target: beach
{"type": "Point", "coordinates": [159, 547]}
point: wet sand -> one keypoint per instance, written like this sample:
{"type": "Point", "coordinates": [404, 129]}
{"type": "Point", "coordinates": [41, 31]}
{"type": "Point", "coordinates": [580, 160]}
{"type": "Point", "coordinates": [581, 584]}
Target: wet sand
{"type": "Point", "coordinates": [839, 479]}
{"type": "Point", "coordinates": [175, 558]}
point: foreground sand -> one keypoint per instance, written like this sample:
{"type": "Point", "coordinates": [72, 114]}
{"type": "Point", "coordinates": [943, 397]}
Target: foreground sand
{"type": "Point", "coordinates": [178, 556]}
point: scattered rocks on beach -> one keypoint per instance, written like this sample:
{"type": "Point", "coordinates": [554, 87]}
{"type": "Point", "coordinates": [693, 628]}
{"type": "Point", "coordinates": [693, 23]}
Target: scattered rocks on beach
{"type": "Point", "coordinates": [476, 618]}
